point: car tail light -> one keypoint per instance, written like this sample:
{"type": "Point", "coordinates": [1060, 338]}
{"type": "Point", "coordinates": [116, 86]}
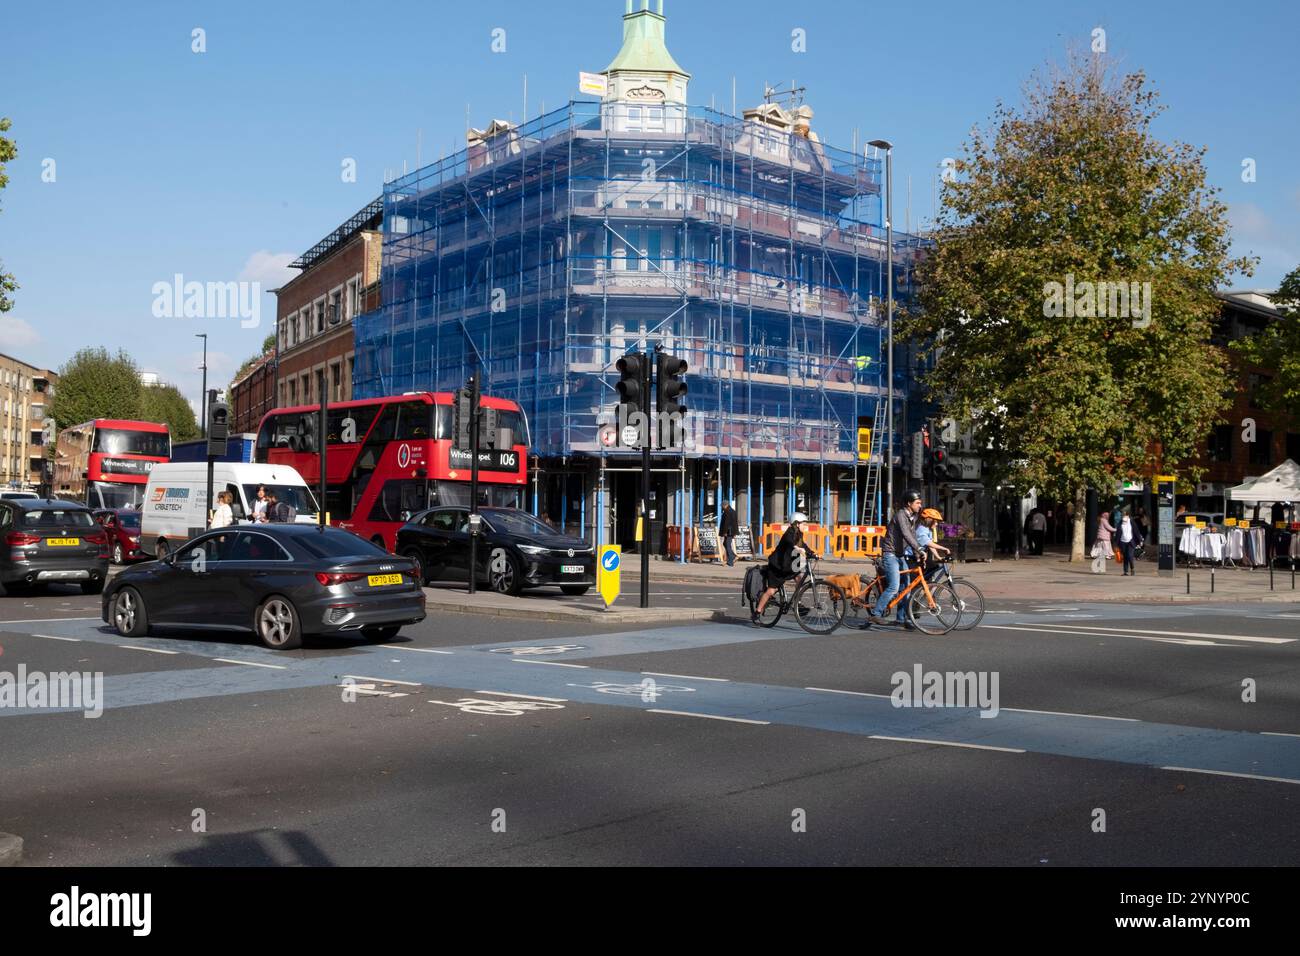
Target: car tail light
{"type": "Point", "coordinates": [330, 578]}
{"type": "Point", "coordinates": [97, 537]}
{"type": "Point", "coordinates": [412, 573]}
{"type": "Point", "coordinates": [20, 539]}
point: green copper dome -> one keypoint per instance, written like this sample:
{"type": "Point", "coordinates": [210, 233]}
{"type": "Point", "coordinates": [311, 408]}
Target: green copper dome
{"type": "Point", "coordinates": [643, 43]}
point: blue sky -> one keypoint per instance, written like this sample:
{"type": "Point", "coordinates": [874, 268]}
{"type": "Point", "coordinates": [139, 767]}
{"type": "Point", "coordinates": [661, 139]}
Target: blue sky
{"type": "Point", "coordinates": [225, 165]}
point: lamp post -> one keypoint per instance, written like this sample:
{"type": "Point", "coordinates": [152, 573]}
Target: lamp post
{"type": "Point", "coordinates": [888, 147]}
{"type": "Point", "coordinates": [203, 414]}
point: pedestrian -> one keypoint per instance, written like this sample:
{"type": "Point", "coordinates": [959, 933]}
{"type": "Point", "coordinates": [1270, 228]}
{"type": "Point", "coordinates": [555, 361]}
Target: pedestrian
{"type": "Point", "coordinates": [1102, 550]}
{"type": "Point", "coordinates": [900, 536]}
{"type": "Point", "coordinates": [1037, 531]}
{"type": "Point", "coordinates": [1006, 530]}
{"type": "Point", "coordinates": [1130, 539]}
{"type": "Point", "coordinates": [260, 505]}
{"type": "Point", "coordinates": [785, 562]}
{"type": "Point", "coordinates": [223, 516]}
{"type": "Point", "coordinates": [728, 528]}
{"type": "Point", "coordinates": [272, 508]}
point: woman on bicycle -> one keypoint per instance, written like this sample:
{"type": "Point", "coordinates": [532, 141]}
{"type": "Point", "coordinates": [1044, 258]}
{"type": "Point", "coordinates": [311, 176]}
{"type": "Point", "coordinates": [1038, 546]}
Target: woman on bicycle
{"type": "Point", "coordinates": [785, 562]}
{"type": "Point", "coordinates": [930, 551]}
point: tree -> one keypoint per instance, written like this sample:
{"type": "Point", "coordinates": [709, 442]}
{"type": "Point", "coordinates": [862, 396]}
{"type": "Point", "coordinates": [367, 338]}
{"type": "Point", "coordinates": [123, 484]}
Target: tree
{"type": "Point", "coordinates": [1078, 381]}
{"type": "Point", "coordinates": [167, 405]}
{"type": "Point", "coordinates": [268, 346]}
{"type": "Point", "coordinates": [94, 384]}
{"type": "Point", "coordinates": [1277, 347]}
{"type": "Point", "coordinates": [8, 150]}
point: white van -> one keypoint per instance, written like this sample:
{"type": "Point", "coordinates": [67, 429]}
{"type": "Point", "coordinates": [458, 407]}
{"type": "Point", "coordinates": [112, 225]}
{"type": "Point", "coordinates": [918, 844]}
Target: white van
{"type": "Point", "coordinates": [175, 505]}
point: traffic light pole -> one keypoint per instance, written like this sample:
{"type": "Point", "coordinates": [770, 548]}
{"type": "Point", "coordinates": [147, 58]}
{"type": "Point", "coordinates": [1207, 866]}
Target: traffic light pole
{"type": "Point", "coordinates": [322, 434]}
{"type": "Point", "coordinates": [208, 401]}
{"type": "Point", "coordinates": [473, 483]}
{"type": "Point", "coordinates": [645, 502]}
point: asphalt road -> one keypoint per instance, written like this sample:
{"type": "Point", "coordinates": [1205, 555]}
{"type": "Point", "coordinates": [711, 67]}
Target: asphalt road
{"type": "Point", "coordinates": [483, 740]}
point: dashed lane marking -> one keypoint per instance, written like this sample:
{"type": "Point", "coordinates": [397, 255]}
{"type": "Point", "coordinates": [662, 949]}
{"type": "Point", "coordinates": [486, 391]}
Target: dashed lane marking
{"type": "Point", "coordinates": [1062, 713]}
{"type": "Point", "coordinates": [687, 713]}
{"type": "Point", "coordinates": [1045, 629]}
{"type": "Point", "coordinates": [855, 693]}
{"type": "Point", "coordinates": [1275, 733]}
{"type": "Point", "coordinates": [47, 620]}
{"type": "Point", "coordinates": [55, 637]}
{"type": "Point", "coordinates": [1229, 773]}
{"type": "Point", "coordinates": [501, 693]}
{"type": "Point", "coordinates": [720, 680]}
{"type": "Point", "coordinates": [947, 743]}
{"type": "Point", "coordinates": [421, 650]}
{"type": "Point", "coordinates": [525, 660]}
{"type": "Point", "coordinates": [1226, 637]}
{"type": "Point", "coordinates": [231, 660]}
{"type": "Point", "coordinates": [151, 650]}
{"type": "Point", "coordinates": [385, 680]}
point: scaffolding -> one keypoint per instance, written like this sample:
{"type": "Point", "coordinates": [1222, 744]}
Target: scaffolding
{"type": "Point", "coordinates": [542, 253]}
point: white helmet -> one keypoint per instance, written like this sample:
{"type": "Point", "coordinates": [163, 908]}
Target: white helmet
{"type": "Point", "coordinates": [799, 517]}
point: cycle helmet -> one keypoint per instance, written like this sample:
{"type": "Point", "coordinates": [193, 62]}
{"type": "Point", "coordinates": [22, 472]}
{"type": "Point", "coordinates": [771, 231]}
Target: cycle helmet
{"type": "Point", "coordinates": [799, 517]}
{"type": "Point", "coordinates": [912, 495]}
{"type": "Point", "coordinates": [932, 513]}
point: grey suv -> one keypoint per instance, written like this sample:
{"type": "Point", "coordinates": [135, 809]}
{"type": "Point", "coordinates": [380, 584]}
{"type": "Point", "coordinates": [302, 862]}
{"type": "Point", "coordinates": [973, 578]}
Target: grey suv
{"type": "Point", "coordinates": [48, 541]}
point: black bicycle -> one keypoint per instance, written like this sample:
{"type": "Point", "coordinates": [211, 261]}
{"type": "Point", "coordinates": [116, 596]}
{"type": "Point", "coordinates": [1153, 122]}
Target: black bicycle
{"type": "Point", "coordinates": [818, 605]}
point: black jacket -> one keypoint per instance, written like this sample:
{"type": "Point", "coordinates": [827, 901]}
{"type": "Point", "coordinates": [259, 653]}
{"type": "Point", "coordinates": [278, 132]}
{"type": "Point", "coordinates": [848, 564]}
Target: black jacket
{"type": "Point", "coordinates": [728, 527]}
{"type": "Point", "coordinates": [780, 564]}
{"type": "Point", "coordinates": [901, 534]}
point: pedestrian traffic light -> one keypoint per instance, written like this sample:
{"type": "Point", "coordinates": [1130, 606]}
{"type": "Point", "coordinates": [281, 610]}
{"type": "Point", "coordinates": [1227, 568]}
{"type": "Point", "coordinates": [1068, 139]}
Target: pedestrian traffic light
{"type": "Point", "coordinates": [939, 464]}
{"type": "Point", "coordinates": [670, 390]}
{"type": "Point", "coordinates": [633, 383]}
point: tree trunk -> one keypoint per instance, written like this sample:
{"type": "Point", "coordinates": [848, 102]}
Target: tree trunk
{"type": "Point", "coordinates": [1080, 522]}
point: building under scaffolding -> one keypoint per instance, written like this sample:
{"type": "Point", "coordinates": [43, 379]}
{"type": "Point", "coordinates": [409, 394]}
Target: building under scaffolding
{"type": "Point", "coordinates": [542, 253]}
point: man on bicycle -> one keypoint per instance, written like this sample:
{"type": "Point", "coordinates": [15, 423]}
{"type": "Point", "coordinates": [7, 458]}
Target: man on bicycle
{"type": "Point", "coordinates": [898, 539]}
{"type": "Point", "coordinates": [787, 560]}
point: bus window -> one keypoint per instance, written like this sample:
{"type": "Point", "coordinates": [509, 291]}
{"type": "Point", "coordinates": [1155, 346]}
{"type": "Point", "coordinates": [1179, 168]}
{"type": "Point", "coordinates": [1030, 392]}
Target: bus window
{"type": "Point", "coordinates": [362, 417]}
{"type": "Point", "coordinates": [442, 422]}
{"type": "Point", "coordinates": [399, 499]}
{"type": "Point", "coordinates": [415, 421]}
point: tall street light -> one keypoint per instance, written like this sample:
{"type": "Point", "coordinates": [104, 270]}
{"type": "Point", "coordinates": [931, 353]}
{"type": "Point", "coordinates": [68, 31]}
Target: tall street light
{"type": "Point", "coordinates": [888, 147]}
{"type": "Point", "coordinates": [203, 402]}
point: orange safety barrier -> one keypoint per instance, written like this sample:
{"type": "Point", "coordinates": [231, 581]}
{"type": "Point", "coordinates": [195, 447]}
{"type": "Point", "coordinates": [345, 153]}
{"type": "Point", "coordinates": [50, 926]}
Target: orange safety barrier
{"type": "Point", "coordinates": [675, 542]}
{"type": "Point", "coordinates": [815, 537]}
{"type": "Point", "coordinates": [857, 541]}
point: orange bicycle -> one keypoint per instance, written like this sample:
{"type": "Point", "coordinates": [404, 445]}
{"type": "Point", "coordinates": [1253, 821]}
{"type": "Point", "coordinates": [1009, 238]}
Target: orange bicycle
{"type": "Point", "coordinates": [936, 610]}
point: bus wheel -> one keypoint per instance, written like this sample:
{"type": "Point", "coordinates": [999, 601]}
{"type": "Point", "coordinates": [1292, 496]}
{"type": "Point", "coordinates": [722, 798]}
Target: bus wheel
{"type": "Point", "coordinates": [162, 549]}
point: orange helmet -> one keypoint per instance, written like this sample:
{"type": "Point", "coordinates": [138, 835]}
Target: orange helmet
{"type": "Point", "coordinates": [932, 513]}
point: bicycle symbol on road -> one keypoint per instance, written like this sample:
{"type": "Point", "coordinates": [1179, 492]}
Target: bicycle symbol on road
{"type": "Point", "coordinates": [498, 708]}
{"type": "Point", "coordinates": [534, 651]}
{"type": "Point", "coordinates": [648, 690]}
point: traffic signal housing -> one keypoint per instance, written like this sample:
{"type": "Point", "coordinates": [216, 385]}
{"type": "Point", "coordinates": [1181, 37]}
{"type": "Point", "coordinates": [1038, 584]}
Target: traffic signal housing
{"type": "Point", "coordinates": [462, 414]}
{"type": "Point", "coordinates": [670, 390]}
{"type": "Point", "coordinates": [634, 383]}
{"type": "Point", "coordinates": [218, 428]}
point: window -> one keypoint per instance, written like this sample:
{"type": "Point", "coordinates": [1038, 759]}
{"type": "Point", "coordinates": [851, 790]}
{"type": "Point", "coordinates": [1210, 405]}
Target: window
{"type": "Point", "coordinates": [399, 499]}
{"type": "Point", "coordinates": [336, 308]}
{"type": "Point", "coordinates": [320, 316]}
{"type": "Point", "coordinates": [414, 421]}
{"type": "Point", "coordinates": [351, 299]}
{"type": "Point", "coordinates": [1261, 449]}
{"type": "Point", "coordinates": [441, 520]}
{"type": "Point", "coordinates": [251, 546]}
{"type": "Point", "coordinates": [57, 518]}
{"type": "Point", "coordinates": [336, 382]}
{"type": "Point", "coordinates": [1219, 445]}
{"type": "Point", "coordinates": [212, 549]}
{"type": "Point", "coordinates": [337, 543]}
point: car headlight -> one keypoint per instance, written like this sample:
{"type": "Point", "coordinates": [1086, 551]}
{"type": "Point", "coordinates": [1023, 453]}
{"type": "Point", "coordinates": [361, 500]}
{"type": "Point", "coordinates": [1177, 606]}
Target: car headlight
{"type": "Point", "coordinates": [532, 549]}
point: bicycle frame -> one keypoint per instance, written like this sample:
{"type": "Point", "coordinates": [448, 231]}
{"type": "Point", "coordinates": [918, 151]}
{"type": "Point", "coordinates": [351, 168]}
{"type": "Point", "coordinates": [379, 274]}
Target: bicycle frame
{"type": "Point", "coordinates": [918, 578]}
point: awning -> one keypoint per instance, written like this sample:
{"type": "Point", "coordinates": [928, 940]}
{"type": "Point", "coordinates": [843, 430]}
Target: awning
{"type": "Point", "coordinates": [1280, 484]}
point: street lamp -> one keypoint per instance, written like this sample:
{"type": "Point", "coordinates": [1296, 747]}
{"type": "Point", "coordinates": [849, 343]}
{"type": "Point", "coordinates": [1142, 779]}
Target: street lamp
{"type": "Point", "coordinates": [203, 401]}
{"type": "Point", "coordinates": [888, 147]}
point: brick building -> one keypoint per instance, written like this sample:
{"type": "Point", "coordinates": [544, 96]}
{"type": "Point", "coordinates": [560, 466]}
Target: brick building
{"type": "Point", "coordinates": [25, 428]}
{"type": "Point", "coordinates": [252, 395]}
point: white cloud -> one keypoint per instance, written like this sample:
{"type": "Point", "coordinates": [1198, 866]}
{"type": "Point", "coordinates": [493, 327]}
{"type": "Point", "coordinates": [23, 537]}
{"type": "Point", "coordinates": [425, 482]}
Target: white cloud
{"type": "Point", "coordinates": [271, 269]}
{"type": "Point", "coordinates": [16, 334]}
{"type": "Point", "coordinates": [1257, 233]}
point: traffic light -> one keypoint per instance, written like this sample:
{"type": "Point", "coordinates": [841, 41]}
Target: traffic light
{"type": "Point", "coordinates": [633, 382]}
{"type": "Point", "coordinates": [487, 426]}
{"type": "Point", "coordinates": [939, 461]}
{"type": "Point", "coordinates": [462, 414]}
{"type": "Point", "coordinates": [670, 390]}
{"type": "Point", "coordinates": [218, 428]}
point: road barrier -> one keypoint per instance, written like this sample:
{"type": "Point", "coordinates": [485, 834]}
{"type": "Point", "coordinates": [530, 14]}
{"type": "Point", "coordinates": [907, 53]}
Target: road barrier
{"type": "Point", "coordinates": [815, 537]}
{"type": "Point", "coordinates": [857, 541]}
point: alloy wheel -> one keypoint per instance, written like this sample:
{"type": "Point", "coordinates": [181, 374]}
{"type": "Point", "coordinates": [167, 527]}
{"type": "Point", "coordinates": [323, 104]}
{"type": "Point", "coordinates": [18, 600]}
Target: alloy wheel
{"type": "Point", "coordinates": [276, 622]}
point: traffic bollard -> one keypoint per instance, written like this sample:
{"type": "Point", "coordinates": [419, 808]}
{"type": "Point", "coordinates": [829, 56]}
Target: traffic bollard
{"type": "Point", "coordinates": [1211, 579]}
{"type": "Point", "coordinates": [1189, 582]}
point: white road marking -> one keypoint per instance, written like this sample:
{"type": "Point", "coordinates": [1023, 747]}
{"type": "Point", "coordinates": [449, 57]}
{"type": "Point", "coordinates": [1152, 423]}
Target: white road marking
{"type": "Point", "coordinates": [501, 693]}
{"type": "Point", "coordinates": [1061, 713]}
{"type": "Point", "coordinates": [422, 650]}
{"type": "Point", "coordinates": [947, 743]}
{"type": "Point", "coordinates": [229, 660]}
{"type": "Point", "coordinates": [55, 637]}
{"type": "Point", "coordinates": [1275, 733]}
{"type": "Point", "coordinates": [1054, 609]}
{"type": "Point", "coordinates": [151, 650]}
{"type": "Point", "coordinates": [525, 660]}
{"type": "Point", "coordinates": [378, 680]}
{"type": "Point", "coordinates": [687, 713]}
{"type": "Point", "coordinates": [1229, 773]}
{"type": "Point", "coordinates": [1225, 637]}
{"type": "Point", "coordinates": [1043, 629]}
{"type": "Point", "coordinates": [46, 620]}
{"type": "Point", "coordinates": [722, 680]}
{"type": "Point", "coordinates": [855, 693]}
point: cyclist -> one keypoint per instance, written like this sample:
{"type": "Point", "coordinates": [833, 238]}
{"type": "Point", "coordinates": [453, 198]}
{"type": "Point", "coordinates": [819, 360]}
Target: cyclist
{"type": "Point", "coordinates": [925, 538]}
{"type": "Point", "coordinates": [785, 562]}
{"type": "Point", "coordinates": [898, 539]}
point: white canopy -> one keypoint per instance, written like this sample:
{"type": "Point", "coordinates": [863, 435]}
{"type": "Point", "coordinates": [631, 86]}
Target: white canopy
{"type": "Point", "coordinates": [1280, 484]}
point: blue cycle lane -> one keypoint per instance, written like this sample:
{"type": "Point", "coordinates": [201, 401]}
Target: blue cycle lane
{"type": "Point", "coordinates": [536, 669]}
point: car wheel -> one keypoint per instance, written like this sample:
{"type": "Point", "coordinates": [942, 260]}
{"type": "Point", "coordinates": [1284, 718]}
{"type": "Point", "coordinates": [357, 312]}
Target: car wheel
{"type": "Point", "coordinates": [118, 556]}
{"type": "Point", "coordinates": [379, 635]}
{"type": "Point", "coordinates": [277, 624]}
{"type": "Point", "coordinates": [93, 587]}
{"type": "Point", "coordinates": [415, 556]}
{"type": "Point", "coordinates": [162, 549]}
{"type": "Point", "coordinates": [576, 590]}
{"type": "Point", "coordinates": [504, 574]}
{"type": "Point", "coordinates": [130, 618]}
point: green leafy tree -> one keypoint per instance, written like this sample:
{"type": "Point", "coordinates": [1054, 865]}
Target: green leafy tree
{"type": "Point", "coordinates": [1277, 348]}
{"type": "Point", "coordinates": [1071, 188]}
{"type": "Point", "coordinates": [268, 346]}
{"type": "Point", "coordinates": [8, 150]}
{"type": "Point", "coordinates": [95, 384]}
{"type": "Point", "coordinates": [167, 405]}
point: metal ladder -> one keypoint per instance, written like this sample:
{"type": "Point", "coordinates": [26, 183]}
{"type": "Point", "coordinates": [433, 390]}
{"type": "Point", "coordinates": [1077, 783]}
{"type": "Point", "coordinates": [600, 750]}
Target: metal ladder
{"type": "Point", "coordinates": [870, 515]}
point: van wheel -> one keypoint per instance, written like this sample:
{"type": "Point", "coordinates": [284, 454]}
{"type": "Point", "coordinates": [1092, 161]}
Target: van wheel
{"type": "Point", "coordinates": [162, 549]}
{"type": "Point", "coordinates": [130, 619]}
{"type": "Point", "coordinates": [276, 623]}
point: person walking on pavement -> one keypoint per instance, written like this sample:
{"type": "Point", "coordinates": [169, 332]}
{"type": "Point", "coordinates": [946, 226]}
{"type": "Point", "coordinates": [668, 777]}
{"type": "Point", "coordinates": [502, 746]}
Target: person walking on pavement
{"type": "Point", "coordinates": [1037, 531]}
{"type": "Point", "coordinates": [728, 528]}
{"type": "Point", "coordinates": [1130, 539]}
{"type": "Point", "coordinates": [785, 562]}
{"type": "Point", "coordinates": [1102, 549]}
{"type": "Point", "coordinates": [900, 536]}
{"type": "Point", "coordinates": [223, 516]}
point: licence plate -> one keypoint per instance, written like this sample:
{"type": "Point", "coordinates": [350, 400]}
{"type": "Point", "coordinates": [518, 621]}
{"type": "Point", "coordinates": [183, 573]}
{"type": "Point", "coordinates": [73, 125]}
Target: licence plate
{"type": "Point", "coordinates": [379, 580]}
{"type": "Point", "coordinates": [62, 542]}
{"type": "Point", "coordinates": [571, 569]}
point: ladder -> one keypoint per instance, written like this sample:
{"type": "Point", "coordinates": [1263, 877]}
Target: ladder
{"type": "Point", "coordinates": [870, 513]}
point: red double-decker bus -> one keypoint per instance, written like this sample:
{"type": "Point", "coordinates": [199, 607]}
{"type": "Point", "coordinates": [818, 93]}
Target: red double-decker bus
{"type": "Point", "coordinates": [106, 462]}
{"type": "Point", "coordinates": [388, 458]}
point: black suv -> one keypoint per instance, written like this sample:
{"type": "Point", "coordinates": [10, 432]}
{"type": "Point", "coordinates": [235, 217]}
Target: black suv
{"type": "Point", "coordinates": [48, 541]}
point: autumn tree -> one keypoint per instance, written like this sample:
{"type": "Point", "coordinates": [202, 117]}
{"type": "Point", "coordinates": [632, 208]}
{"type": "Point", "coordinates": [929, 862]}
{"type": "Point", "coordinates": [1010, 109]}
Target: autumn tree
{"type": "Point", "coordinates": [1276, 347]}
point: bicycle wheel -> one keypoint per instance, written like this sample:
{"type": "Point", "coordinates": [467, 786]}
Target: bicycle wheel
{"type": "Point", "coordinates": [855, 614]}
{"type": "Point", "coordinates": [970, 601]}
{"type": "Point", "coordinates": [819, 608]}
{"type": "Point", "coordinates": [941, 616]}
{"type": "Point", "coordinates": [774, 609]}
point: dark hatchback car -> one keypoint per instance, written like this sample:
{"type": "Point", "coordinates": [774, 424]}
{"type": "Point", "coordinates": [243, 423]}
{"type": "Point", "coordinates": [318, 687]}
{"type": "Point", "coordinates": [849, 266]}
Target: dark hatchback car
{"type": "Point", "coordinates": [122, 525]}
{"type": "Point", "coordinates": [49, 541]}
{"type": "Point", "coordinates": [515, 551]}
{"type": "Point", "coordinates": [279, 581]}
